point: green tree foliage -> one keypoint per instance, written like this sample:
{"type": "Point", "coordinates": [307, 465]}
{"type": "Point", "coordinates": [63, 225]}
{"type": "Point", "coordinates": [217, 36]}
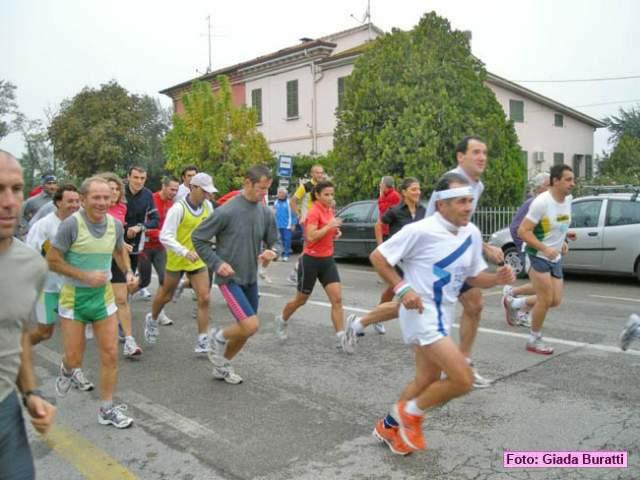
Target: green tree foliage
{"type": "Point", "coordinates": [8, 107]}
{"type": "Point", "coordinates": [411, 97]}
{"type": "Point", "coordinates": [38, 157]}
{"type": "Point", "coordinates": [107, 129]}
{"type": "Point", "coordinates": [626, 123]}
{"type": "Point", "coordinates": [622, 166]}
{"type": "Point", "coordinates": [216, 136]}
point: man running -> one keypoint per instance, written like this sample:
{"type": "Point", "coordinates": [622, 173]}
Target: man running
{"type": "Point", "coordinates": [182, 219]}
{"type": "Point", "coordinates": [239, 227]}
{"type": "Point", "coordinates": [544, 231]}
{"type": "Point", "coordinates": [82, 252]}
{"type": "Point", "coordinates": [31, 206]}
{"type": "Point", "coordinates": [438, 254]}
{"type": "Point", "coordinates": [24, 275]}
{"type": "Point", "coordinates": [630, 332]}
{"type": "Point", "coordinates": [187, 174]}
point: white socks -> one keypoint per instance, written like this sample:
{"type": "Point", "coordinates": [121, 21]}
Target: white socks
{"type": "Point", "coordinates": [518, 302]}
{"type": "Point", "coordinates": [220, 336]}
{"type": "Point", "coordinates": [412, 409]}
{"type": "Point", "coordinates": [357, 325]}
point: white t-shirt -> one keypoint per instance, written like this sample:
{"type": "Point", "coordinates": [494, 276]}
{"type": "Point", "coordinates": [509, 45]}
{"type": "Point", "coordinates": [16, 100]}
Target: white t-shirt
{"type": "Point", "coordinates": [551, 220]}
{"type": "Point", "coordinates": [476, 187]}
{"type": "Point", "coordinates": [40, 237]}
{"type": "Point", "coordinates": [183, 191]}
{"type": "Point", "coordinates": [435, 260]}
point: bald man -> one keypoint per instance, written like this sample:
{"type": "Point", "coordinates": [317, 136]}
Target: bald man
{"type": "Point", "coordinates": [19, 292]}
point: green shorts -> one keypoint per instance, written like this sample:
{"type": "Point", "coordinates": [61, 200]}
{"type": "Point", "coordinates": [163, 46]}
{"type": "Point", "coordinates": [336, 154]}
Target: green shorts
{"type": "Point", "coordinates": [47, 308]}
{"type": "Point", "coordinates": [85, 304]}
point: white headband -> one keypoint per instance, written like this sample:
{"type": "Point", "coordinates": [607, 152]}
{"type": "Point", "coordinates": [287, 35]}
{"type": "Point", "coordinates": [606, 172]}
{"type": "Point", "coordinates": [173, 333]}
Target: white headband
{"type": "Point", "coordinates": [453, 192]}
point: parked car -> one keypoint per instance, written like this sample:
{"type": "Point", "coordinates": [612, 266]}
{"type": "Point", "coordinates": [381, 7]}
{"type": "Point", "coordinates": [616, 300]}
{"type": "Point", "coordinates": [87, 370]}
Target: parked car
{"type": "Point", "coordinates": [607, 228]}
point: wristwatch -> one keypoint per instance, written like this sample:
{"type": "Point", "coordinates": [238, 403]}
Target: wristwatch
{"type": "Point", "coordinates": [28, 393]}
{"type": "Point", "coordinates": [142, 227]}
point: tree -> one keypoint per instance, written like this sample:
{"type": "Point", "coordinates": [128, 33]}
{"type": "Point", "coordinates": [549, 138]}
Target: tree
{"type": "Point", "coordinates": [626, 123]}
{"type": "Point", "coordinates": [411, 97]}
{"type": "Point", "coordinates": [216, 136]}
{"type": "Point", "coordinates": [8, 107]}
{"type": "Point", "coordinates": [38, 157]}
{"type": "Point", "coordinates": [107, 129]}
{"type": "Point", "coordinates": [622, 166]}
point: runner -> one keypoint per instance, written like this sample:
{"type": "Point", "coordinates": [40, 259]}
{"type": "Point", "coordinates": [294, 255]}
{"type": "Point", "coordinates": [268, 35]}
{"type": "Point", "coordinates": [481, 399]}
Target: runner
{"type": "Point", "coordinates": [31, 206]}
{"type": "Point", "coordinates": [518, 301]}
{"type": "Point", "coordinates": [630, 332]}
{"type": "Point", "coordinates": [19, 291]}
{"type": "Point", "coordinates": [317, 263]}
{"type": "Point", "coordinates": [409, 211]}
{"type": "Point", "coordinates": [154, 252]}
{"type": "Point", "coordinates": [544, 231]}
{"type": "Point", "coordinates": [82, 252]}
{"type": "Point", "coordinates": [182, 219]}
{"type": "Point", "coordinates": [438, 255]}
{"type": "Point", "coordinates": [285, 220]}
{"type": "Point", "coordinates": [118, 210]}
{"type": "Point", "coordinates": [187, 174]}
{"type": "Point", "coordinates": [239, 228]}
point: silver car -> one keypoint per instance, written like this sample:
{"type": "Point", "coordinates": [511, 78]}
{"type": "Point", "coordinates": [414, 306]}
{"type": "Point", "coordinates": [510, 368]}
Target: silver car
{"type": "Point", "coordinates": [607, 228]}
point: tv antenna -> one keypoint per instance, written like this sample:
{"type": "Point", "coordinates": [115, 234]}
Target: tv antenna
{"type": "Point", "coordinates": [366, 18]}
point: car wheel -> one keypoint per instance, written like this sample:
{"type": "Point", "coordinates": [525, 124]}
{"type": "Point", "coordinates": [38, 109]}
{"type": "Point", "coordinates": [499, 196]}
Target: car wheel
{"type": "Point", "coordinates": [638, 269]}
{"type": "Point", "coordinates": [513, 258]}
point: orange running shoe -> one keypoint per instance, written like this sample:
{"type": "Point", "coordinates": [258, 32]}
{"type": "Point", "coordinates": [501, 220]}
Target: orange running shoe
{"type": "Point", "coordinates": [410, 427]}
{"type": "Point", "coordinates": [391, 438]}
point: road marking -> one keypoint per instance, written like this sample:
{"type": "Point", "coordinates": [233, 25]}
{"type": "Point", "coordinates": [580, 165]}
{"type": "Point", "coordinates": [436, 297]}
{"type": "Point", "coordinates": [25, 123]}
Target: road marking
{"type": "Point", "coordinates": [624, 299]}
{"type": "Point", "coordinates": [92, 462]}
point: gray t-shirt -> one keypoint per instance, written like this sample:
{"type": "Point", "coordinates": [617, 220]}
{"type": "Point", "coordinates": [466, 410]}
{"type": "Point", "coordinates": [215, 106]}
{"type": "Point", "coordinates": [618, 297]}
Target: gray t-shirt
{"type": "Point", "coordinates": [68, 232]}
{"type": "Point", "coordinates": [240, 227]}
{"type": "Point", "coordinates": [42, 212]}
{"type": "Point", "coordinates": [23, 276]}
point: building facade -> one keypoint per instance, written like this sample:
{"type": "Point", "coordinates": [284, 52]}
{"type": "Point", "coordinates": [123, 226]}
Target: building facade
{"type": "Point", "coordinates": [296, 92]}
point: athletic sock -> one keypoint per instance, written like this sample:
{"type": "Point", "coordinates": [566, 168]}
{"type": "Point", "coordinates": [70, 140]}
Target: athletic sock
{"type": "Point", "coordinates": [357, 325]}
{"type": "Point", "coordinates": [533, 336]}
{"type": "Point", "coordinates": [412, 408]}
{"type": "Point", "coordinates": [340, 334]}
{"type": "Point", "coordinates": [202, 336]}
{"type": "Point", "coordinates": [106, 405]}
{"type": "Point", "coordinates": [220, 336]}
{"type": "Point", "coordinates": [518, 302]}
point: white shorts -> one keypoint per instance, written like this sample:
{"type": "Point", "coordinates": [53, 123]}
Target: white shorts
{"type": "Point", "coordinates": [427, 327]}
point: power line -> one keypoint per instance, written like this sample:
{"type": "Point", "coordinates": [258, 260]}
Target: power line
{"type": "Point", "coordinates": [603, 79]}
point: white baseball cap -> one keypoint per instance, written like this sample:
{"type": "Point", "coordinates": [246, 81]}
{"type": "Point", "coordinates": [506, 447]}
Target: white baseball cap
{"type": "Point", "coordinates": [204, 181]}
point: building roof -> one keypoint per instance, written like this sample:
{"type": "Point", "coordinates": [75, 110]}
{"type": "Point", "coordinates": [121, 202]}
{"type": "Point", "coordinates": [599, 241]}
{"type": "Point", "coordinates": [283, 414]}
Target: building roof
{"type": "Point", "coordinates": [530, 94]}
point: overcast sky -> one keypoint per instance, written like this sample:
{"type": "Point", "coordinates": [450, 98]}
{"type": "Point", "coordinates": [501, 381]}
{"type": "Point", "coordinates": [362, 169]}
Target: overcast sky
{"type": "Point", "coordinates": [51, 49]}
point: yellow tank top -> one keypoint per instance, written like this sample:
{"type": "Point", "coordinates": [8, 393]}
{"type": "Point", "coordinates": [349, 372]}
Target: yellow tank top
{"type": "Point", "coordinates": [190, 221]}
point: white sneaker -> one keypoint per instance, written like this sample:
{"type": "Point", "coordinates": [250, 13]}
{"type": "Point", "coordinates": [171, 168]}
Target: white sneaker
{"type": "Point", "coordinates": [265, 277]}
{"type": "Point", "coordinates": [202, 345]}
{"type": "Point", "coordinates": [281, 328]}
{"type": "Point", "coordinates": [293, 277]}
{"type": "Point", "coordinates": [343, 344]}
{"type": "Point", "coordinates": [629, 332]}
{"type": "Point", "coordinates": [144, 294]}
{"type": "Point", "coordinates": [163, 319]}
{"type": "Point", "coordinates": [131, 348]}
{"type": "Point", "coordinates": [226, 373]}
{"type": "Point", "coordinates": [478, 380]}
{"type": "Point", "coordinates": [150, 329]}
{"type": "Point", "coordinates": [379, 328]}
{"type": "Point", "coordinates": [350, 331]}
{"type": "Point", "coordinates": [115, 416]}
{"type": "Point", "coordinates": [88, 331]}
{"type": "Point", "coordinates": [215, 352]}
{"type": "Point", "coordinates": [523, 319]}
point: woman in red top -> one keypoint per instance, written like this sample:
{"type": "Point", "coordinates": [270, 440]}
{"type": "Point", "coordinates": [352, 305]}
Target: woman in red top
{"type": "Point", "coordinates": [118, 210]}
{"type": "Point", "coordinates": [317, 263]}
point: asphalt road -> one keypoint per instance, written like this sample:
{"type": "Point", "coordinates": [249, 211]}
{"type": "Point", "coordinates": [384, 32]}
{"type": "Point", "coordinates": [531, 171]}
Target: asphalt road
{"type": "Point", "coordinates": [305, 411]}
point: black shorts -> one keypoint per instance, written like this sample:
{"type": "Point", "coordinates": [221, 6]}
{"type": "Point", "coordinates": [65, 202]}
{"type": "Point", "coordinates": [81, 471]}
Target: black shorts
{"type": "Point", "coordinates": [116, 274]}
{"type": "Point", "coordinates": [465, 288]}
{"type": "Point", "coordinates": [311, 269]}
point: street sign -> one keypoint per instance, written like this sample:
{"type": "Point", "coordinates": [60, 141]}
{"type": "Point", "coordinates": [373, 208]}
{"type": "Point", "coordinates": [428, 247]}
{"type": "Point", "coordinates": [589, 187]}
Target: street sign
{"type": "Point", "coordinates": [285, 166]}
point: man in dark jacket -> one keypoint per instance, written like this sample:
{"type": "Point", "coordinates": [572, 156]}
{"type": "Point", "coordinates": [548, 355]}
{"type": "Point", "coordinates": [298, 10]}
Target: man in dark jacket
{"type": "Point", "coordinates": [141, 211]}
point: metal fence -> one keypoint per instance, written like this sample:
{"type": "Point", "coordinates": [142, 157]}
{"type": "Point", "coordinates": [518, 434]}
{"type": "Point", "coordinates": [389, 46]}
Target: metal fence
{"type": "Point", "coordinates": [489, 220]}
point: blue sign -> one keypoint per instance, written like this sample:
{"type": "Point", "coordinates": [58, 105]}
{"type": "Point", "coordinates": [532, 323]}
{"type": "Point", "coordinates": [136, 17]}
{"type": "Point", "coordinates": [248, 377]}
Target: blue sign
{"type": "Point", "coordinates": [285, 166]}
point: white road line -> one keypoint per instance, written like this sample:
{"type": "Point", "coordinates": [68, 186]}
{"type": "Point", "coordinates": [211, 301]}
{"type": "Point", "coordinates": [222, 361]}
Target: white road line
{"type": "Point", "coordinates": [624, 299]}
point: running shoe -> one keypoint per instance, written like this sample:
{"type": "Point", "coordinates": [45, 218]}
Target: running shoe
{"type": "Point", "coordinates": [478, 380]}
{"type": "Point", "coordinates": [409, 427]}
{"type": "Point", "coordinates": [510, 313]}
{"type": "Point", "coordinates": [215, 352]}
{"type": "Point", "coordinates": [131, 348]}
{"type": "Point", "coordinates": [391, 437]}
{"type": "Point", "coordinates": [63, 382]}
{"type": "Point", "coordinates": [163, 319]}
{"type": "Point", "coordinates": [226, 373]}
{"type": "Point", "coordinates": [293, 277]}
{"type": "Point", "coordinates": [150, 329]}
{"type": "Point", "coordinates": [630, 331]}
{"type": "Point", "coordinates": [80, 382]}
{"type": "Point", "coordinates": [285, 259]}
{"type": "Point", "coordinates": [379, 328]}
{"type": "Point", "coordinates": [524, 319]}
{"type": "Point", "coordinates": [88, 331]}
{"type": "Point", "coordinates": [143, 294]}
{"type": "Point", "coordinates": [121, 335]}
{"type": "Point", "coordinates": [202, 344]}
{"type": "Point", "coordinates": [538, 346]}
{"type": "Point", "coordinates": [263, 275]}
{"type": "Point", "coordinates": [344, 344]}
{"type": "Point", "coordinates": [281, 328]}
{"type": "Point", "coordinates": [115, 416]}
{"type": "Point", "coordinates": [350, 331]}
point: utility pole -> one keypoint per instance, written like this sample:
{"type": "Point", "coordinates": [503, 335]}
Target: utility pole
{"type": "Point", "coordinates": [209, 35]}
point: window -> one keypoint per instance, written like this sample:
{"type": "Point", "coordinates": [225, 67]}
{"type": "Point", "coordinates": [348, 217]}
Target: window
{"type": "Point", "coordinates": [577, 163]}
{"type": "Point", "coordinates": [622, 212]}
{"type": "Point", "coordinates": [256, 102]}
{"type": "Point", "coordinates": [358, 213]}
{"type": "Point", "coordinates": [558, 120]}
{"type": "Point", "coordinates": [588, 167]}
{"type": "Point", "coordinates": [340, 91]}
{"type": "Point", "coordinates": [558, 158]}
{"type": "Point", "coordinates": [585, 214]}
{"type": "Point", "coordinates": [516, 110]}
{"type": "Point", "coordinates": [292, 99]}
